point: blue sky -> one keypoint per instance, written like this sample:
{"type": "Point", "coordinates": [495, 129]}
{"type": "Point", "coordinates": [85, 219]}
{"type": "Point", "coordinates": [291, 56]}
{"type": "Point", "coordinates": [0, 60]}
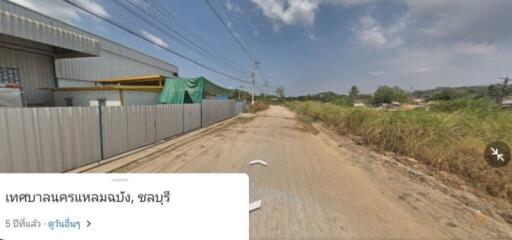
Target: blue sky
{"type": "Point", "coordinates": [309, 46]}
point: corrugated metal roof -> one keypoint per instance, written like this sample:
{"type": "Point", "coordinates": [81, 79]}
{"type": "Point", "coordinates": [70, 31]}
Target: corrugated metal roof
{"type": "Point", "coordinates": [77, 39]}
{"type": "Point", "coordinates": [21, 22]}
{"type": "Point", "coordinates": [121, 50]}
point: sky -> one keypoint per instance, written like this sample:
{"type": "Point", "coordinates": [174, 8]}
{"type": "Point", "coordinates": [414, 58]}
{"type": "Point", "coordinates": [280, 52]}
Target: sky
{"type": "Point", "coordinates": [311, 46]}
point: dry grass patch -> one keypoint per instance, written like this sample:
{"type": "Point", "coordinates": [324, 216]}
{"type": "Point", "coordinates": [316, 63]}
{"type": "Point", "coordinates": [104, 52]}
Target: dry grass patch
{"type": "Point", "coordinates": [451, 141]}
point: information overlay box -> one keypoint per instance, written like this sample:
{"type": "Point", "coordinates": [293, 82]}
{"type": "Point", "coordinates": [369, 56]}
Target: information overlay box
{"type": "Point", "coordinates": [124, 206]}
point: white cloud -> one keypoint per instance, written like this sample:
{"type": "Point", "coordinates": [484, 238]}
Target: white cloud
{"type": "Point", "coordinates": [438, 39]}
{"type": "Point", "coordinates": [421, 60]}
{"type": "Point", "coordinates": [157, 40]}
{"type": "Point", "coordinates": [377, 73]}
{"type": "Point", "coordinates": [298, 11]}
{"type": "Point", "coordinates": [233, 7]}
{"type": "Point", "coordinates": [55, 9]}
{"type": "Point", "coordinates": [440, 20]}
{"type": "Point", "coordinates": [470, 48]}
{"type": "Point", "coordinates": [289, 11]}
{"type": "Point", "coordinates": [371, 33]}
{"type": "Point", "coordinates": [91, 4]}
{"type": "Point", "coordinates": [60, 9]}
{"type": "Point", "coordinates": [471, 20]}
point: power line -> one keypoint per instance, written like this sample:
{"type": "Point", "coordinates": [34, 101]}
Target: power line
{"type": "Point", "coordinates": [168, 15]}
{"type": "Point", "coordinates": [235, 25]}
{"type": "Point", "coordinates": [227, 62]}
{"type": "Point", "coordinates": [226, 11]}
{"type": "Point", "coordinates": [244, 48]}
{"type": "Point", "coordinates": [230, 31]}
{"type": "Point", "coordinates": [171, 32]}
{"type": "Point", "coordinates": [109, 20]}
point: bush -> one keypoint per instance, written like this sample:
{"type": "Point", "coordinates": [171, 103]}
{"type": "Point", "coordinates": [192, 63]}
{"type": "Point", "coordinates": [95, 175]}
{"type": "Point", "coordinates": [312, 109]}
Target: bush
{"type": "Point", "coordinates": [259, 105]}
{"type": "Point", "coordinates": [386, 94]}
{"type": "Point", "coordinates": [452, 138]}
{"type": "Point", "coordinates": [482, 106]}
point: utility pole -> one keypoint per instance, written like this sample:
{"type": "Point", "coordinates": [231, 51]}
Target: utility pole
{"type": "Point", "coordinates": [265, 89]}
{"type": "Point", "coordinates": [255, 66]}
{"type": "Point", "coordinates": [239, 90]}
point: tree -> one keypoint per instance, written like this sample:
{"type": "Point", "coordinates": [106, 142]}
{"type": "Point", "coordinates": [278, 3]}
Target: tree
{"type": "Point", "coordinates": [445, 95]}
{"type": "Point", "coordinates": [383, 94]}
{"type": "Point", "coordinates": [400, 95]}
{"type": "Point", "coordinates": [280, 92]}
{"type": "Point", "coordinates": [354, 93]}
{"type": "Point", "coordinates": [386, 94]}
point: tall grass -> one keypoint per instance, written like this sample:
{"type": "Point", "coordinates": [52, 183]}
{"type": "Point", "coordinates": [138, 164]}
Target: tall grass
{"type": "Point", "coordinates": [448, 139]}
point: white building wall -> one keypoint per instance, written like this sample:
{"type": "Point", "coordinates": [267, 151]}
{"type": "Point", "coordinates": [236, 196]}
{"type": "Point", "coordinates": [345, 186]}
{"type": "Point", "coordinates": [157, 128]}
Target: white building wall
{"type": "Point", "coordinates": [140, 98]}
{"type": "Point", "coordinates": [87, 98]}
{"type": "Point", "coordinates": [112, 97]}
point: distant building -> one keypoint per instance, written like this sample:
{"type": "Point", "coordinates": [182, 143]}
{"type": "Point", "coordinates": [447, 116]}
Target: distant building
{"type": "Point", "coordinates": [417, 101]}
{"type": "Point", "coordinates": [359, 104]}
{"type": "Point", "coordinates": [507, 103]}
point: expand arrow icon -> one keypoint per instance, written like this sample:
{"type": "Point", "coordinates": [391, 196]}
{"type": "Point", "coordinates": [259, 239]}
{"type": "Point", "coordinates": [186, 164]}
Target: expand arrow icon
{"type": "Point", "coordinates": [499, 156]}
{"type": "Point", "coordinates": [88, 223]}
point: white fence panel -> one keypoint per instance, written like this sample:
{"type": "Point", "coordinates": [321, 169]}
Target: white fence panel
{"type": "Point", "coordinates": [64, 138]}
{"type": "Point", "coordinates": [192, 116]}
{"type": "Point", "coordinates": [115, 131]}
{"type": "Point", "coordinates": [48, 139]}
{"type": "Point", "coordinates": [169, 121]}
{"type": "Point", "coordinates": [150, 123]}
{"type": "Point", "coordinates": [140, 124]}
{"type": "Point", "coordinates": [217, 110]}
{"type": "Point", "coordinates": [239, 107]}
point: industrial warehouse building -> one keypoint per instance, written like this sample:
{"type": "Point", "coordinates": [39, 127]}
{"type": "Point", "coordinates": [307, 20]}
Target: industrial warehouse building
{"type": "Point", "coordinates": [91, 86]}
{"type": "Point", "coordinates": [38, 53]}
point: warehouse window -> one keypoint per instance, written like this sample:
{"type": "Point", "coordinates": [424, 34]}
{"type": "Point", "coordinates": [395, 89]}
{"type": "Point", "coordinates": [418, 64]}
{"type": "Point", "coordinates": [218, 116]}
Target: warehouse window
{"type": "Point", "coordinates": [10, 75]}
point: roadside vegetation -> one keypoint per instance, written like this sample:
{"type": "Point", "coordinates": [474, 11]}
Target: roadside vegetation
{"type": "Point", "coordinates": [450, 136]}
{"type": "Point", "coordinates": [259, 105]}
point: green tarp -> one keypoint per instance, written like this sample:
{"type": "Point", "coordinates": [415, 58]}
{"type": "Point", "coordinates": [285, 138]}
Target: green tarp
{"type": "Point", "coordinates": [189, 90]}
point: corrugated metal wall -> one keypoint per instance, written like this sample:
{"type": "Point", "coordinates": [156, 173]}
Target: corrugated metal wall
{"type": "Point", "coordinates": [169, 121]}
{"type": "Point", "coordinates": [239, 107]}
{"type": "Point", "coordinates": [48, 139]}
{"type": "Point", "coordinates": [130, 127]}
{"type": "Point", "coordinates": [115, 131]}
{"type": "Point", "coordinates": [64, 138]}
{"type": "Point", "coordinates": [217, 110]}
{"type": "Point", "coordinates": [114, 61]}
{"type": "Point", "coordinates": [36, 71]}
{"type": "Point", "coordinates": [192, 117]}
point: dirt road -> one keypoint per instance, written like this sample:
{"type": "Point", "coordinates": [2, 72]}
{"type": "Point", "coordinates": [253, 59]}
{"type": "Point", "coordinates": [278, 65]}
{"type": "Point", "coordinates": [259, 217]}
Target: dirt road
{"type": "Point", "coordinates": [320, 185]}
